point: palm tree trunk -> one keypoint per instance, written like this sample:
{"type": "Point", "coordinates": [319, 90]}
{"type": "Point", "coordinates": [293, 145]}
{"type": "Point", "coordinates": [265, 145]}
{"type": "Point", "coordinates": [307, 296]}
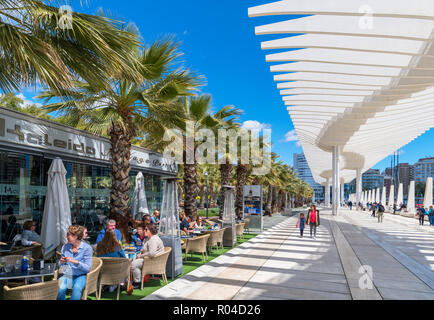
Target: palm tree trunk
{"type": "Point", "coordinates": [120, 152]}
{"type": "Point", "coordinates": [120, 160]}
{"type": "Point", "coordinates": [190, 189]}
{"type": "Point", "coordinates": [202, 197]}
{"type": "Point", "coordinates": [211, 197]}
{"type": "Point", "coordinates": [274, 201]}
{"type": "Point", "coordinates": [268, 206]}
{"type": "Point", "coordinates": [225, 173]}
{"type": "Point", "coordinates": [241, 181]}
{"type": "Point", "coordinates": [179, 193]}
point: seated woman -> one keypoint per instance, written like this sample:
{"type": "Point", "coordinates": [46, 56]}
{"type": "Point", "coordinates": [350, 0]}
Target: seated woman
{"type": "Point", "coordinates": [198, 223]}
{"type": "Point", "coordinates": [29, 236]}
{"type": "Point", "coordinates": [76, 261]}
{"type": "Point", "coordinates": [139, 238]}
{"type": "Point", "coordinates": [109, 246]}
{"type": "Point", "coordinates": [151, 248]}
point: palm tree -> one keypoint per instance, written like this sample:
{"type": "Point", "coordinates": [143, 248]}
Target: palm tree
{"type": "Point", "coordinates": [124, 109]}
{"type": "Point", "coordinates": [36, 49]}
{"type": "Point", "coordinates": [194, 112]}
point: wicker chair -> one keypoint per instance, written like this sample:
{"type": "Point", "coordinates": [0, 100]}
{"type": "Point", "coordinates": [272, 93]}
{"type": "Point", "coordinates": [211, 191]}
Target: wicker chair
{"type": "Point", "coordinates": [114, 271]}
{"type": "Point", "coordinates": [198, 245]}
{"type": "Point", "coordinates": [47, 290]}
{"type": "Point", "coordinates": [246, 224]}
{"type": "Point", "coordinates": [220, 237]}
{"type": "Point", "coordinates": [240, 229]}
{"type": "Point", "coordinates": [213, 239]}
{"type": "Point", "coordinates": [155, 265]}
{"type": "Point", "coordinates": [92, 279]}
{"type": "Point", "coordinates": [36, 250]}
{"type": "Point", "coordinates": [11, 259]}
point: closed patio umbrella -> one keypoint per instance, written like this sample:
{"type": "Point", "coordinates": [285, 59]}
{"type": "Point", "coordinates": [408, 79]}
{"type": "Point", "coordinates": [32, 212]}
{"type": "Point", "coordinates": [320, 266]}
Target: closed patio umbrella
{"type": "Point", "coordinates": [57, 215]}
{"type": "Point", "coordinates": [139, 205]}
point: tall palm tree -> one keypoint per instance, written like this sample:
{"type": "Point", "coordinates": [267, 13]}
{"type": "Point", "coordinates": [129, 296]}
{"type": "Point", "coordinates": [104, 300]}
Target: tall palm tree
{"type": "Point", "coordinates": [124, 108]}
{"type": "Point", "coordinates": [194, 111]}
{"type": "Point", "coordinates": [37, 49]}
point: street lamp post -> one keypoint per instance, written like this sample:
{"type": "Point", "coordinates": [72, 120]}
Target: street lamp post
{"type": "Point", "coordinates": [207, 205]}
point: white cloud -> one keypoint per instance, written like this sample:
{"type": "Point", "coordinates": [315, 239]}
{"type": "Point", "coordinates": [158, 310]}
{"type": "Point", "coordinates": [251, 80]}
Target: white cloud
{"type": "Point", "coordinates": [185, 32]}
{"type": "Point", "coordinates": [254, 125]}
{"type": "Point", "coordinates": [292, 136]}
{"type": "Point", "coordinates": [27, 101]}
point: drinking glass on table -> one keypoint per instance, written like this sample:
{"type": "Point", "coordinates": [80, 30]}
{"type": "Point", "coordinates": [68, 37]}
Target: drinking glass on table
{"type": "Point", "coordinates": [8, 268]}
{"type": "Point", "coordinates": [17, 265]}
{"type": "Point", "coordinates": [2, 264]}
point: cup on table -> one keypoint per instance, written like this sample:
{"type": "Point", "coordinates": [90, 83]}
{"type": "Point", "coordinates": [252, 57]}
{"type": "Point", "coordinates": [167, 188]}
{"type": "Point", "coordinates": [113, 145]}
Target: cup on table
{"type": "Point", "coordinates": [8, 267]}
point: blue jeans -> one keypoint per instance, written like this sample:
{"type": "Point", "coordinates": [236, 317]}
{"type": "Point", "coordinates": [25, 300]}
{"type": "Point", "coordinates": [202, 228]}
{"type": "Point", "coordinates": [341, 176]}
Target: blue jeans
{"type": "Point", "coordinates": [78, 284]}
{"type": "Point", "coordinates": [431, 220]}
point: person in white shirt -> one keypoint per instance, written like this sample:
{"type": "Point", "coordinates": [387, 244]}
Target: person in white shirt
{"type": "Point", "coordinates": [151, 248]}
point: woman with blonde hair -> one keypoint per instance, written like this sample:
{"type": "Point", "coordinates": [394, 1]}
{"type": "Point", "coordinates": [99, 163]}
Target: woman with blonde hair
{"type": "Point", "coordinates": [109, 246]}
{"type": "Point", "coordinates": [76, 261]}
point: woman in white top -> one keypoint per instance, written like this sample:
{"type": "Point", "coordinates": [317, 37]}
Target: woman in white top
{"type": "Point", "coordinates": [151, 248]}
{"type": "Point", "coordinates": [198, 223]}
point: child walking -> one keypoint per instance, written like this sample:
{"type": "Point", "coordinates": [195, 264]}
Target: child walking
{"type": "Point", "coordinates": [301, 224]}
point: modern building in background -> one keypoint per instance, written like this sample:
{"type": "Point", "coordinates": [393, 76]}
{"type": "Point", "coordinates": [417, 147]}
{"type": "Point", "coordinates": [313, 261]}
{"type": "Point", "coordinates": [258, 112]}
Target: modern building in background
{"type": "Point", "coordinates": [423, 169]}
{"type": "Point", "coordinates": [372, 179]}
{"type": "Point", "coordinates": [301, 168]}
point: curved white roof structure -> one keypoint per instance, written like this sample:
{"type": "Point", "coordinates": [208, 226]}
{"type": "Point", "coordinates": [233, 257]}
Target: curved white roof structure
{"type": "Point", "coordinates": [354, 75]}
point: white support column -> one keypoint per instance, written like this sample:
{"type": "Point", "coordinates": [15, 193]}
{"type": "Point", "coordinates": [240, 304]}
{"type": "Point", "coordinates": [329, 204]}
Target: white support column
{"type": "Point", "coordinates": [391, 196]}
{"type": "Point", "coordinates": [427, 199]}
{"type": "Point", "coordinates": [411, 207]}
{"type": "Point", "coordinates": [336, 181]}
{"type": "Point", "coordinates": [327, 193]}
{"type": "Point", "coordinates": [358, 185]}
{"type": "Point", "coordinates": [377, 195]}
{"type": "Point", "coordinates": [383, 196]}
{"type": "Point", "coordinates": [342, 197]}
{"type": "Point", "coordinates": [400, 196]}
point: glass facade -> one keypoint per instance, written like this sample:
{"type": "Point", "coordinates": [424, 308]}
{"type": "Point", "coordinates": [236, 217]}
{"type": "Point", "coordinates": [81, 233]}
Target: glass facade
{"type": "Point", "coordinates": [23, 181]}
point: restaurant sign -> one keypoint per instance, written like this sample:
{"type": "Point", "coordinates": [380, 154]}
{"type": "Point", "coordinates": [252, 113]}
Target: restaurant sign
{"type": "Point", "coordinates": [25, 133]}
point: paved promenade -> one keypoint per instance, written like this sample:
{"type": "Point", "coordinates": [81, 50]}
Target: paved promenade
{"type": "Point", "coordinates": [278, 264]}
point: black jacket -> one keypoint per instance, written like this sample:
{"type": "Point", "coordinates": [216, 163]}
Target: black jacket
{"type": "Point", "coordinates": [317, 217]}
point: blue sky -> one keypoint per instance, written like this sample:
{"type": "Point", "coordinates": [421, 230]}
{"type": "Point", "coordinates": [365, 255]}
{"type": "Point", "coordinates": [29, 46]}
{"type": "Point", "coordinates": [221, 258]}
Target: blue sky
{"type": "Point", "coordinates": [219, 42]}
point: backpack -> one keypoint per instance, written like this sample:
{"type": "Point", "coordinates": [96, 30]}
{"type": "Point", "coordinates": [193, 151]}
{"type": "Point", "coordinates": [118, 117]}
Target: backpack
{"type": "Point", "coordinates": [380, 208]}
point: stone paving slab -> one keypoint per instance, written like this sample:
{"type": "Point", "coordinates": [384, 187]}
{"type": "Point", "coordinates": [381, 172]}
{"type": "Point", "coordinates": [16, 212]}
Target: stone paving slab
{"type": "Point", "coordinates": [278, 264]}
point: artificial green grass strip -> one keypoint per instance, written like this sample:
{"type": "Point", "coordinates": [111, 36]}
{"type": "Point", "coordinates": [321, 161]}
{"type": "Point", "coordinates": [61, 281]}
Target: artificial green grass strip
{"type": "Point", "coordinates": [191, 264]}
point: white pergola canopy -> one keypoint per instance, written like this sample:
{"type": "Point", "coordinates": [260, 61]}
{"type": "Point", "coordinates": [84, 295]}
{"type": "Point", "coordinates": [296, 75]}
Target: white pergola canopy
{"type": "Point", "coordinates": [360, 77]}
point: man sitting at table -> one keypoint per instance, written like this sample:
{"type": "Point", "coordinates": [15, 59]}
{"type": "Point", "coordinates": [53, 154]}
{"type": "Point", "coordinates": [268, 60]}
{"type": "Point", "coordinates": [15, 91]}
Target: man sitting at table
{"type": "Point", "coordinates": [155, 217]}
{"type": "Point", "coordinates": [146, 219]}
{"type": "Point", "coordinates": [185, 224]}
{"type": "Point", "coordinates": [139, 238]}
{"type": "Point", "coordinates": [111, 225]}
{"type": "Point", "coordinates": [29, 236]}
{"type": "Point", "coordinates": [151, 248]}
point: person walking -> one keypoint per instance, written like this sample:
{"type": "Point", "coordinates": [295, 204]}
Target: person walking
{"type": "Point", "coordinates": [301, 224]}
{"type": "Point", "coordinates": [313, 219]}
{"type": "Point", "coordinates": [373, 209]}
{"type": "Point", "coordinates": [380, 212]}
{"type": "Point", "coordinates": [350, 204]}
{"type": "Point", "coordinates": [431, 216]}
{"type": "Point", "coordinates": [421, 214]}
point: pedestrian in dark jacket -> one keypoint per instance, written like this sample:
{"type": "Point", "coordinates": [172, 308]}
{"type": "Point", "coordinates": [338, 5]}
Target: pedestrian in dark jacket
{"type": "Point", "coordinates": [421, 212]}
